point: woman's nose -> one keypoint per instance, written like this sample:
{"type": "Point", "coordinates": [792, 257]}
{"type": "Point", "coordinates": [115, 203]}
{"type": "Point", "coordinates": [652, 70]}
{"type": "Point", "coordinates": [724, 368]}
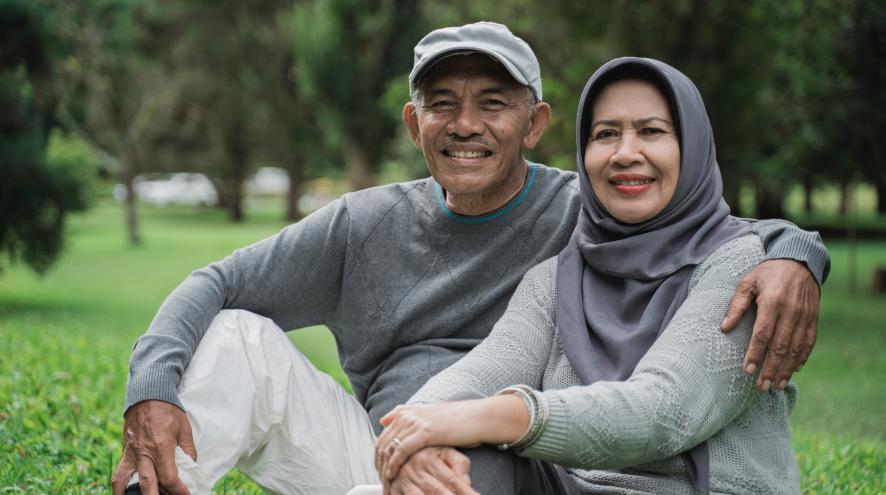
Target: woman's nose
{"type": "Point", "coordinates": [628, 151]}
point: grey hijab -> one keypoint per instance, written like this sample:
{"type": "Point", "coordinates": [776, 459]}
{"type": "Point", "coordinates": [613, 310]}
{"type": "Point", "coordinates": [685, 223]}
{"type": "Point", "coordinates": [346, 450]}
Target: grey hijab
{"type": "Point", "coordinates": [619, 284]}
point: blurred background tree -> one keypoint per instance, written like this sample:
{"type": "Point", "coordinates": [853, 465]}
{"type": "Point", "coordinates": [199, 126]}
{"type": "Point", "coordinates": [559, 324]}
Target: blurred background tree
{"type": "Point", "coordinates": [37, 188]}
{"type": "Point", "coordinates": [315, 87]}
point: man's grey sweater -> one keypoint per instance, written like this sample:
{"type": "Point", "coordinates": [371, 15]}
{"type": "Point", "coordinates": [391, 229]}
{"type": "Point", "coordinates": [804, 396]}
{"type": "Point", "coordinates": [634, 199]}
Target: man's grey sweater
{"type": "Point", "coordinates": [406, 286]}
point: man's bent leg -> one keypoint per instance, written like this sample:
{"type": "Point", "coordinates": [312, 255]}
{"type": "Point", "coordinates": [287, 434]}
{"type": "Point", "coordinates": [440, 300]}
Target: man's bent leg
{"type": "Point", "coordinates": [494, 472]}
{"type": "Point", "coordinates": [255, 402]}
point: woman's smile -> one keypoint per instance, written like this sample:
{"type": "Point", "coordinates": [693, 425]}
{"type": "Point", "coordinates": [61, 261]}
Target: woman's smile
{"type": "Point", "coordinates": [631, 184]}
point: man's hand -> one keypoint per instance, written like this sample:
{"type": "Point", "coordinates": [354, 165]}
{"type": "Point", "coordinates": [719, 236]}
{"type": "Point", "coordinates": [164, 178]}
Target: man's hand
{"type": "Point", "coordinates": [433, 470]}
{"type": "Point", "coordinates": [151, 430]}
{"type": "Point", "coordinates": [787, 298]}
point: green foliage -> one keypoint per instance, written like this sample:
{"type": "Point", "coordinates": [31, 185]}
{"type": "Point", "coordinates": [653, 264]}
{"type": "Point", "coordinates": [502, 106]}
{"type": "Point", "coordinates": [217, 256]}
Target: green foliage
{"type": "Point", "coordinates": [35, 193]}
{"type": "Point", "coordinates": [69, 156]}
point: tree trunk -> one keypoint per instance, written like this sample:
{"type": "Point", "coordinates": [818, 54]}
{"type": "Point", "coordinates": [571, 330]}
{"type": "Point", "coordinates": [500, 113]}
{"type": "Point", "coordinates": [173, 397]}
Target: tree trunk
{"type": "Point", "coordinates": [732, 195]}
{"type": "Point", "coordinates": [235, 207]}
{"type": "Point", "coordinates": [293, 214]}
{"type": "Point", "coordinates": [128, 171]}
{"type": "Point", "coordinates": [881, 197]}
{"type": "Point", "coordinates": [844, 198]}
{"type": "Point", "coordinates": [357, 168]}
{"type": "Point", "coordinates": [769, 203]}
{"type": "Point", "coordinates": [807, 195]}
{"type": "Point", "coordinates": [238, 157]}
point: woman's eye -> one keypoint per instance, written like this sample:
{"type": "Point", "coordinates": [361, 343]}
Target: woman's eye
{"type": "Point", "coordinates": [606, 134]}
{"type": "Point", "coordinates": [651, 131]}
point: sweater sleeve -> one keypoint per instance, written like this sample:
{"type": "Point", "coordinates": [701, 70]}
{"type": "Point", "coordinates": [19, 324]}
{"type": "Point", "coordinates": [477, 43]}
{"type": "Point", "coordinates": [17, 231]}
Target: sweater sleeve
{"type": "Point", "coordinates": [685, 389]}
{"type": "Point", "coordinates": [515, 352]}
{"type": "Point", "coordinates": [294, 278]}
{"type": "Point", "coordinates": [784, 240]}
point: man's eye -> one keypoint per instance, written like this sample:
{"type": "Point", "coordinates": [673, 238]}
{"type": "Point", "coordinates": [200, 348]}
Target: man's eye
{"type": "Point", "coordinates": [442, 105]}
{"type": "Point", "coordinates": [493, 104]}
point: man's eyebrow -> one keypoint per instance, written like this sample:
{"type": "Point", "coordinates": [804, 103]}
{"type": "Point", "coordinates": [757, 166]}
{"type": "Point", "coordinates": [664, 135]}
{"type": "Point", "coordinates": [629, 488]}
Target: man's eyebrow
{"type": "Point", "coordinates": [496, 90]}
{"type": "Point", "coordinates": [493, 90]}
{"type": "Point", "coordinates": [440, 92]}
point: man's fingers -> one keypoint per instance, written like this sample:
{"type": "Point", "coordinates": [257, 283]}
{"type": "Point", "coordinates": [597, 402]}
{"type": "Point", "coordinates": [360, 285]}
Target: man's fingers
{"type": "Point", "coordinates": [777, 351]}
{"type": "Point", "coordinates": [795, 351]}
{"type": "Point", "coordinates": [167, 475]}
{"type": "Point", "coordinates": [453, 481]}
{"type": "Point", "coordinates": [458, 462]}
{"type": "Point", "coordinates": [741, 301]}
{"type": "Point", "coordinates": [123, 473]}
{"type": "Point", "coordinates": [147, 477]}
{"type": "Point", "coordinates": [760, 339]}
{"type": "Point", "coordinates": [186, 441]}
{"type": "Point", "coordinates": [809, 338]}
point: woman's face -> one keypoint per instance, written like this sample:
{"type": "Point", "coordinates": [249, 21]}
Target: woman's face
{"type": "Point", "coordinates": [632, 157]}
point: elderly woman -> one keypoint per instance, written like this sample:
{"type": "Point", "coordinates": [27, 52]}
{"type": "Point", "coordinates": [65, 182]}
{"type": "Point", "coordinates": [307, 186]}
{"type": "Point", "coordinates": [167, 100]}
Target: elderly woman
{"type": "Point", "coordinates": [608, 365]}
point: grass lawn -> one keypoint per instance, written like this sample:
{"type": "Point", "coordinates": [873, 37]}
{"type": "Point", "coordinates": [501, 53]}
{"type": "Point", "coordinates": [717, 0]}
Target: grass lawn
{"type": "Point", "coordinates": [65, 341]}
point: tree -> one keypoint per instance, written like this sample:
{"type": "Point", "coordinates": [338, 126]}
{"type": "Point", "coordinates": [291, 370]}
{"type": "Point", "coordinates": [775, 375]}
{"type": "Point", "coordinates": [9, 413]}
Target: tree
{"type": "Point", "coordinates": [107, 86]}
{"type": "Point", "coordinates": [346, 53]}
{"type": "Point", "coordinates": [35, 193]}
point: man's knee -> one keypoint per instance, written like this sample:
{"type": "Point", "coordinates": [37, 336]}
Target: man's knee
{"type": "Point", "coordinates": [495, 472]}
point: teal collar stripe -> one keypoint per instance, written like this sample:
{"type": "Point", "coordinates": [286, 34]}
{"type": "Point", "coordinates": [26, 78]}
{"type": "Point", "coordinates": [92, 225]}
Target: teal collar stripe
{"type": "Point", "coordinates": [490, 216]}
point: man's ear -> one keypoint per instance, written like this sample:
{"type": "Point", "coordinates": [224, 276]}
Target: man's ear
{"type": "Point", "coordinates": [539, 122]}
{"type": "Point", "coordinates": [410, 118]}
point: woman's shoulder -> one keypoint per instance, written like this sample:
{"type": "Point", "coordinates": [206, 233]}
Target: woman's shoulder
{"type": "Point", "coordinates": [732, 260]}
{"type": "Point", "coordinates": [544, 272]}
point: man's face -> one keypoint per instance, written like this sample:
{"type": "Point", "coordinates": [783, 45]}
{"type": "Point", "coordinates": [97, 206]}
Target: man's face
{"type": "Point", "coordinates": [472, 124]}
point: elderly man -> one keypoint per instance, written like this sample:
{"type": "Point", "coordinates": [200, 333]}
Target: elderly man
{"type": "Point", "coordinates": [408, 277]}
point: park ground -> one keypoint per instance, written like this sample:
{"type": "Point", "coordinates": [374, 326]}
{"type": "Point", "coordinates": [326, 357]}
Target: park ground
{"type": "Point", "coordinates": [65, 339]}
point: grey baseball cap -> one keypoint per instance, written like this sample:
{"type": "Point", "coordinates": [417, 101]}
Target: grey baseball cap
{"type": "Point", "coordinates": [489, 38]}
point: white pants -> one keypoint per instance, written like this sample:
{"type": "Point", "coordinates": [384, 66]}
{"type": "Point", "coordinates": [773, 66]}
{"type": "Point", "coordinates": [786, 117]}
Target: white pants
{"type": "Point", "coordinates": [255, 402]}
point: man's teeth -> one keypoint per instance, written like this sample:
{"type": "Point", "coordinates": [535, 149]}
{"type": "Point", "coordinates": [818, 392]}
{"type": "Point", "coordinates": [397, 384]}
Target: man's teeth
{"type": "Point", "coordinates": [466, 154]}
{"type": "Point", "coordinates": [639, 182]}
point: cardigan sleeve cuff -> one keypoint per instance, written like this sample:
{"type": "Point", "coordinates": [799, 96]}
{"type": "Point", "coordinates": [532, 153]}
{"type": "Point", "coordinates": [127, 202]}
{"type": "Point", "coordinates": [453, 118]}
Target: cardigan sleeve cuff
{"type": "Point", "coordinates": [156, 382]}
{"type": "Point", "coordinates": [555, 435]}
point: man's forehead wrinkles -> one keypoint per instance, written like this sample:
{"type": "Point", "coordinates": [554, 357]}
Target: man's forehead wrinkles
{"type": "Point", "coordinates": [448, 87]}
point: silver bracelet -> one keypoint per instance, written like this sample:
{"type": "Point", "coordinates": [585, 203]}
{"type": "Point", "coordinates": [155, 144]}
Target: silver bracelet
{"type": "Point", "coordinates": [538, 416]}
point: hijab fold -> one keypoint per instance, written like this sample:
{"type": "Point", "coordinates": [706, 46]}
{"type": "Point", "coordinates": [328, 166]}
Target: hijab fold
{"type": "Point", "coordinates": [619, 284]}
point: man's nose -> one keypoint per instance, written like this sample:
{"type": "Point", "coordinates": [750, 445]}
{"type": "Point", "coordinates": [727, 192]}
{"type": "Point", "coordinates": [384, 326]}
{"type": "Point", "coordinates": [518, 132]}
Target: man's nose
{"type": "Point", "coordinates": [467, 121]}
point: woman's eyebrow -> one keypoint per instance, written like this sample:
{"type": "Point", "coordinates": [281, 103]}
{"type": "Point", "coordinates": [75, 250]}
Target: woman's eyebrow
{"type": "Point", "coordinates": [647, 120]}
{"type": "Point", "coordinates": [606, 122]}
{"type": "Point", "coordinates": [637, 123]}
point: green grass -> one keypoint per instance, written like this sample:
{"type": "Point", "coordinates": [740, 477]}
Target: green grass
{"type": "Point", "coordinates": [65, 340]}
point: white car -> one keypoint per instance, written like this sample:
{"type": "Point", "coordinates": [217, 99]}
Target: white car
{"type": "Point", "coordinates": [181, 188]}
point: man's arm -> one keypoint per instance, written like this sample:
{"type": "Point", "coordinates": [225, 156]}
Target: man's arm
{"type": "Point", "coordinates": [294, 278]}
{"type": "Point", "coordinates": [786, 288]}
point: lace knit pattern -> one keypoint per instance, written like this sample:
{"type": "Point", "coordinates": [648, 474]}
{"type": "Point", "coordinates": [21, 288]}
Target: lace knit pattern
{"type": "Point", "coordinates": [624, 437]}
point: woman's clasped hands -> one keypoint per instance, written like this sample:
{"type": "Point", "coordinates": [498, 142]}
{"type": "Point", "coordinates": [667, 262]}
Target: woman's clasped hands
{"type": "Point", "coordinates": [415, 452]}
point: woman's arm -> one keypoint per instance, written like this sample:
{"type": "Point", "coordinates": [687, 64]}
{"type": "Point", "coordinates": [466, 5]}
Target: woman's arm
{"type": "Point", "coordinates": [689, 385]}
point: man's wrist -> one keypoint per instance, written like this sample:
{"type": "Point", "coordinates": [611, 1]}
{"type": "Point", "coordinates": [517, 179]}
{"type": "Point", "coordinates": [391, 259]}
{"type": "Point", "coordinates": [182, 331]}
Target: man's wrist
{"type": "Point", "coordinates": [803, 247]}
{"type": "Point", "coordinates": [156, 382]}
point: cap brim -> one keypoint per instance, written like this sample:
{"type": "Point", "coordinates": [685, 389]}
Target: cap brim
{"type": "Point", "coordinates": [419, 71]}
